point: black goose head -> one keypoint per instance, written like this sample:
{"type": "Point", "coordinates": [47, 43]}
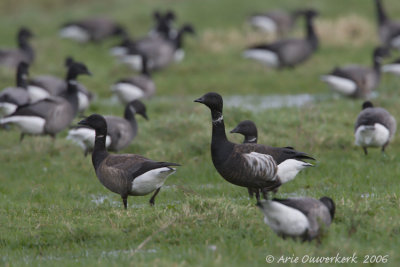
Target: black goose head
{"type": "Point", "coordinates": [135, 107]}
{"type": "Point", "coordinates": [22, 74]}
{"type": "Point", "coordinates": [96, 122]}
{"type": "Point", "coordinates": [164, 22]}
{"type": "Point", "coordinates": [75, 69]}
{"type": "Point", "coordinates": [246, 128]}
{"type": "Point", "coordinates": [23, 36]}
{"type": "Point", "coordinates": [212, 100]}
{"type": "Point", "coordinates": [367, 104]}
{"type": "Point", "coordinates": [310, 13]}
{"type": "Point", "coordinates": [328, 202]}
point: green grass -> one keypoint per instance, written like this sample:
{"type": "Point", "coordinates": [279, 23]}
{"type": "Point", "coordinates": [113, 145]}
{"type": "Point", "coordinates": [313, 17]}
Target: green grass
{"type": "Point", "coordinates": [48, 190]}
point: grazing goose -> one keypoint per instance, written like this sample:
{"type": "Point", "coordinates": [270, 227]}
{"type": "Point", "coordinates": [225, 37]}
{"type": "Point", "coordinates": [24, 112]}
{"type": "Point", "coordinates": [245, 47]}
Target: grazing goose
{"type": "Point", "coordinates": [120, 131]}
{"type": "Point", "coordinates": [287, 52]}
{"type": "Point", "coordinates": [248, 129]}
{"type": "Point", "coordinates": [135, 87]}
{"type": "Point", "coordinates": [93, 29]}
{"type": "Point", "coordinates": [301, 217]}
{"type": "Point", "coordinates": [159, 51]}
{"type": "Point", "coordinates": [50, 115]}
{"type": "Point", "coordinates": [12, 57]}
{"type": "Point", "coordinates": [355, 80]}
{"type": "Point", "coordinates": [125, 174]}
{"type": "Point", "coordinates": [13, 97]}
{"type": "Point", "coordinates": [43, 86]}
{"type": "Point", "coordinates": [374, 127]}
{"type": "Point", "coordinates": [393, 67]}
{"type": "Point", "coordinates": [250, 165]}
{"type": "Point", "coordinates": [388, 30]}
{"type": "Point", "coordinates": [277, 22]}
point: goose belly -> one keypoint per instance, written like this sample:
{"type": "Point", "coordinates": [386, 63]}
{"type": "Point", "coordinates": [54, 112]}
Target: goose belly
{"type": "Point", "coordinates": [27, 124]}
{"type": "Point", "coordinates": [264, 23]}
{"type": "Point", "coordinates": [133, 61]}
{"type": "Point", "coordinates": [37, 93]}
{"type": "Point", "coordinates": [372, 135]}
{"type": "Point", "coordinates": [127, 92]}
{"type": "Point", "coordinates": [7, 108]}
{"type": "Point", "coordinates": [391, 68]}
{"type": "Point", "coordinates": [266, 57]}
{"type": "Point", "coordinates": [150, 181]}
{"type": "Point", "coordinates": [75, 33]}
{"type": "Point", "coordinates": [341, 85]}
{"type": "Point", "coordinates": [285, 220]}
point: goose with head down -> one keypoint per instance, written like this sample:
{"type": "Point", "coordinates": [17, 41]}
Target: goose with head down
{"type": "Point", "coordinates": [250, 165]}
{"type": "Point", "coordinates": [125, 174]}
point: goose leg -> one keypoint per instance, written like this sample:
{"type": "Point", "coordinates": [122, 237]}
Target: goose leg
{"type": "Point", "coordinates": [258, 195]}
{"type": "Point", "coordinates": [384, 147]}
{"type": "Point", "coordinates": [365, 150]}
{"type": "Point", "coordinates": [125, 201]}
{"type": "Point", "coordinates": [264, 193]}
{"type": "Point", "coordinates": [21, 137]}
{"type": "Point", "coordinates": [86, 152]}
{"type": "Point", "coordinates": [154, 196]}
{"type": "Point", "coordinates": [251, 192]}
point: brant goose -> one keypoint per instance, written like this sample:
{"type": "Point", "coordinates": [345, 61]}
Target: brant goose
{"type": "Point", "coordinates": [248, 129]}
{"type": "Point", "coordinates": [120, 131]}
{"type": "Point", "coordinates": [374, 127]}
{"type": "Point", "coordinates": [12, 57]}
{"type": "Point", "coordinates": [354, 80]}
{"type": "Point", "coordinates": [278, 22]}
{"type": "Point", "coordinates": [256, 166]}
{"type": "Point", "coordinates": [164, 24]}
{"type": "Point", "coordinates": [125, 174]}
{"type": "Point", "coordinates": [301, 217]}
{"type": "Point", "coordinates": [13, 97]}
{"type": "Point", "coordinates": [287, 52]}
{"type": "Point", "coordinates": [160, 52]}
{"type": "Point", "coordinates": [93, 29]}
{"type": "Point", "coordinates": [135, 87]}
{"type": "Point", "coordinates": [43, 86]}
{"type": "Point", "coordinates": [388, 30]}
{"type": "Point", "coordinates": [50, 115]}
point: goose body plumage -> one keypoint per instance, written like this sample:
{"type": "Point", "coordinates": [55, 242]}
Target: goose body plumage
{"type": "Point", "coordinates": [25, 53]}
{"type": "Point", "coordinates": [388, 30]}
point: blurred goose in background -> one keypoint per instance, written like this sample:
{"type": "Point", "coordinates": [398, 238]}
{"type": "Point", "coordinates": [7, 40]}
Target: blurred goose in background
{"type": "Point", "coordinates": [12, 57]}
{"type": "Point", "coordinates": [374, 127]}
{"type": "Point", "coordinates": [164, 24]}
{"type": "Point", "coordinates": [44, 86]}
{"type": "Point", "coordinates": [355, 80]}
{"type": "Point", "coordinates": [13, 97]}
{"type": "Point", "coordinates": [120, 131]}
{"type": "Point", "coordinates": [159, 51]}
{"type": "Point", "coordinates": [278, 22]}
{"type": "Point", "coordinates": [393, 67]}
{"type": "Point", "coordinates": [50, 115]}
{"type": "Point", "coordinates": [93, 29]}
{"type": "Point", "coordinates": [125, 174]}
{"type": "Point", "coordinates": [135, 87]}
{"type": "Point", "coordinates": [388, 30]}
{"type": "Point", "coordinates": [248, 129]}
{"type": "Point", "coordinates": [301, 217]}
{"type": "Point", "coordinates": [250, 165]}
{"type": "Point", "coordinates": [287, 52]}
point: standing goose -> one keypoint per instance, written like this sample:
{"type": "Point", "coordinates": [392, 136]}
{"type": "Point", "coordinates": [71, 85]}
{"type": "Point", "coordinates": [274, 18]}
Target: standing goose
{"type": "Point", "coordinates": [278, 22]}
{"type": "Point", "coordinates": [301, 217]}
{"type": "Point", "coordinates": [12, 57]}
{"type": "Point", "coordinates": [13, 97]}
{"type": "Point", "coordinates": [43, 86]}
{"type": "Point", "coordinates": [250, 165]}
{"type": "Point", "coordinates": [120, 131]}
{"type": "Point", "coordinates": [354, 80]}
{"type": "Point", "coordinates": [94, 29]}
{"type": "Point", "coordinates": [125, 174]}
{"type": "Point", "coordinates": [287, 52]}
{"type": "Point", "coordinates": [135, 87]}
{"type": "Point", "coordinates": [388, 30]}
{"type": "Point", "coordinates": [160, 52]}
{"type": "Point", "coordinates": [51, 115]}
{"type": "Point", "coordinates": [374, 127]}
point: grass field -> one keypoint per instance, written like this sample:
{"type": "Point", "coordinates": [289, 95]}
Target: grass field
{"type": "Point", "coordinates": [54, 211]}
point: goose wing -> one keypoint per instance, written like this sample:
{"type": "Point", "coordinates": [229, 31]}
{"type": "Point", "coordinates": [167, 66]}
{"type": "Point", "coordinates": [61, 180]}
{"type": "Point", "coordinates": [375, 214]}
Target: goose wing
{"type": "Point", "coordinates": [370, 116]}
{"type": "Point", "coordinates": [41, 108]}
{"type": "Point", "coordinates": [15, 95]}
{"type": "Point", "coordinates": [120, 131]}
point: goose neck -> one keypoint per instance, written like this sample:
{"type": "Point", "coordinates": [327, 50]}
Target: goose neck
{"type": "Point", "coordinates": [99, 151]}
{"type": "Point", "coordinates": [382, 18]}
{"type": "Point", "coordinates": [311, 35]}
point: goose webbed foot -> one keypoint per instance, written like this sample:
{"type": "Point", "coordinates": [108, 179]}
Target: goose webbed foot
{"type": "Point", "coordinates": [365, 150]}
{"type": "Point", "coordinates": [125, 201]}
{"type": "Point", "coordinates": [154, 196]}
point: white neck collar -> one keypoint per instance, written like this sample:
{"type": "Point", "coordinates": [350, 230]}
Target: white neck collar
{"type": "Point", "coordinates": [220, 118]}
